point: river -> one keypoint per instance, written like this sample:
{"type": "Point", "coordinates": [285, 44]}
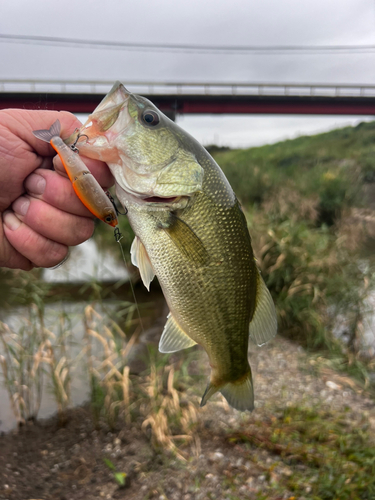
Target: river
{"type": "Point", "coordinates": [86, 263]}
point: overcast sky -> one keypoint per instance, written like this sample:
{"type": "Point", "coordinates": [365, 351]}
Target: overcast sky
{"type": "Point", "coordinates": [209, 22]}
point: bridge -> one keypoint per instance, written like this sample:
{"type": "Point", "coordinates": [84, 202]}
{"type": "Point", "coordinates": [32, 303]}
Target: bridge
{"type": "Point", "coordinates": [198, 97]}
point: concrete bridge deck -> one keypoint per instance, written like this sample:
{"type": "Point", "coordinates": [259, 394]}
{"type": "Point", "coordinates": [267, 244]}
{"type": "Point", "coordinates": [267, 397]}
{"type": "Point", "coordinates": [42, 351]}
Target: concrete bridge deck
{"type": "Point", "coordinates": [197, 97]}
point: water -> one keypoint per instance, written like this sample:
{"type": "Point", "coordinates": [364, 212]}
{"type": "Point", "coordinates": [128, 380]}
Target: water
{"type": "Point", "coordinates": [153, 312]}
{"type": "Point", "coordinates": [85, 263]}
{"type": "Point", "coordinates": [80, 389]}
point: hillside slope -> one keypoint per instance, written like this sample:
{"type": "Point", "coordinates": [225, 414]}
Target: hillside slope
{"type": "Point", "coordinates": [333, 167]}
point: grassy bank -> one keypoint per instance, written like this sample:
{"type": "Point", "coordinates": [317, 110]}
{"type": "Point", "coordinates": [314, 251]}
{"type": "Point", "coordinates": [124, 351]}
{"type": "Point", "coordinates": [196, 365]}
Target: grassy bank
{"type": "Point", "coordinates": [323, 456]}
{"type": "Point", "coordinates": [144, 436]}
{"type": "Point", "coordinates": [329, 168]}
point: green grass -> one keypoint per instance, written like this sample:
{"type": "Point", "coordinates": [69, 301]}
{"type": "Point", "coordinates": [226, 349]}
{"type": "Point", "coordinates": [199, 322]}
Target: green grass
{"type": "Point", "coordinates": [331, 167]}
{"type": "Point", "coordinates": [119, 477]}
{"type": "Point", "coordinates": [323, 453]}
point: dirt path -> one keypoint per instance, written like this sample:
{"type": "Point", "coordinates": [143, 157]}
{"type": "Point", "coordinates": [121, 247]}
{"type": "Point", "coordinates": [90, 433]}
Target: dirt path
{"type": "Point", "coordinates": [237, 456]}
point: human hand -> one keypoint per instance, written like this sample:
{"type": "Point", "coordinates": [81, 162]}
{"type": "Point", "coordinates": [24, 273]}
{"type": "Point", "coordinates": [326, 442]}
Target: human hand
{"type": "Point", "coordinates": [41, 216]}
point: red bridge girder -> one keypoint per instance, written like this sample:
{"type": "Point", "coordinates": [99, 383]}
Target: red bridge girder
{"type": "Point", "coordinates": [202, 104]}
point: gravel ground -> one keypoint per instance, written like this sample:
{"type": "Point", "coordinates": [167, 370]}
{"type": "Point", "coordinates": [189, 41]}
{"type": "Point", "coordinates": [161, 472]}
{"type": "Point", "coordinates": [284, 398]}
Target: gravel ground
{"type": "Point", "coordinates": [43, 461]}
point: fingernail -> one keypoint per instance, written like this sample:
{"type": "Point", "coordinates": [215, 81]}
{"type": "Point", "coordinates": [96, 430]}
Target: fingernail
{"type": "Point", "coordinates": [21, 205]}
{"type": "Point", "coordinates": [35, 184]}
{"type": "Point", "coordinates": [11, 221]}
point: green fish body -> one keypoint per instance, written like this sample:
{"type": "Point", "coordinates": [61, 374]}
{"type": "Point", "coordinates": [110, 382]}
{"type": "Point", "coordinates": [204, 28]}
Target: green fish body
{"type": "Point", "coordinates": [191, 233]}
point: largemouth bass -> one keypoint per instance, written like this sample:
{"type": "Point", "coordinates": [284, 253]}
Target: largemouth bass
{"type": "Point", "coordinates": [190, 232]}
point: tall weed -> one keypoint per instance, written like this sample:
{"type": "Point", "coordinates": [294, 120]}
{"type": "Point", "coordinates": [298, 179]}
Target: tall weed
{"type": "Point", "coordinates": [314, 278]}
{"type": "Point", "coordinates": [117, 396]}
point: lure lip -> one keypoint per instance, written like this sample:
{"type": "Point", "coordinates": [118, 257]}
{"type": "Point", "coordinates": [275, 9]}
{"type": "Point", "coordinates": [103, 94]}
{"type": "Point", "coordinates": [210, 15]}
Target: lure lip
{"type": "Point", "coordinates": [114, 222]}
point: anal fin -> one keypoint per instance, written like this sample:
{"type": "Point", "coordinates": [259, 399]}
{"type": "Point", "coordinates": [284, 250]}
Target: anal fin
{"type": "Point", "coordinates": [140, 258]}
{"type": "Point", "coordinates": [173, 337]}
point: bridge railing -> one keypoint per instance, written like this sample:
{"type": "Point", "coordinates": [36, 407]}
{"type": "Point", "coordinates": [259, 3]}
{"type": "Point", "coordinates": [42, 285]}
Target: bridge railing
{"type": "Point", "coordinates": [184, 88]}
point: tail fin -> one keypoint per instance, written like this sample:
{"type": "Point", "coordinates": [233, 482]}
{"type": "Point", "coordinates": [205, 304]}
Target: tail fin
{"type": "Point", "coordinates": [239, 394]}
{"type": "Point", "coordinates": [46, 135]}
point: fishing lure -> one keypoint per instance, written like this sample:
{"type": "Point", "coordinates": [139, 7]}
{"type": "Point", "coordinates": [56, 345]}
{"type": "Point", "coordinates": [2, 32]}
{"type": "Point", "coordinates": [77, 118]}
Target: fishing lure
{"type": "Point", "coordinates": [86, 187]}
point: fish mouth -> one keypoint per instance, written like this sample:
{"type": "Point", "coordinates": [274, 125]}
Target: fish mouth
{"type": "Point", "coordinates": [158, 203]}
{"type": "Point", "coordinates": [105, 121]}
{"type": "Point", "coordinates": [159, 199]}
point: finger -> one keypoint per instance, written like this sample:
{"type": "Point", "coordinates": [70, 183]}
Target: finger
{"type": "Point", "coordinates": [33, 247]}
{"type": "Point", "coordinates": [98, 169]}
{"type": "Point", "coordinates": [52, 223]}
{"type": "Point", "coordinates": [9, 256]}
{"type": "Point", "coordinates": [59, 167]}
{"type": "Point", "coordinates": [23, 122]}
{"type": "Point", "coordinates": [55, 190]}
{"type": "Point", "coordinates": [46, 163]}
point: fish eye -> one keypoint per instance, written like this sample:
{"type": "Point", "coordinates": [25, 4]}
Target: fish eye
{"type": "Point", "coordinates": [150, 118]}
{"type": "Point", "coordinates": [109, 218]}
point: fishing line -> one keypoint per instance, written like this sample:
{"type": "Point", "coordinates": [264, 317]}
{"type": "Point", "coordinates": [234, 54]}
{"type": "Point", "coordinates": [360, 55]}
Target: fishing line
{"type": "Point", "coordinates": [118, 237]}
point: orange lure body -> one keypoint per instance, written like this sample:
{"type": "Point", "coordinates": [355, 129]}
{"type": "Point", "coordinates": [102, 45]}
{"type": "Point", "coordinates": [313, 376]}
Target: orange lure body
{"type": "Point", "coordinates": [86, 187]}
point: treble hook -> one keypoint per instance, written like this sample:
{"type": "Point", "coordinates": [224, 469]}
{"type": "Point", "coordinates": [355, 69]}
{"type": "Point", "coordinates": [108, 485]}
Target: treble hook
{"type": "Point", "coordinates": [73, 147]}
{"type": "Point", "coordinates": [114, 204]}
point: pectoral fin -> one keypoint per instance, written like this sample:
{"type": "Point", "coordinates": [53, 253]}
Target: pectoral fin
{"type": "Point", "coordinates": [263, 326]}
{"type": "Point", "coordinates": [173, 337]}
{"type": "Point", "coordinates": [185, 239]}
{"type": "Point", "coordinates": [140, 258]}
